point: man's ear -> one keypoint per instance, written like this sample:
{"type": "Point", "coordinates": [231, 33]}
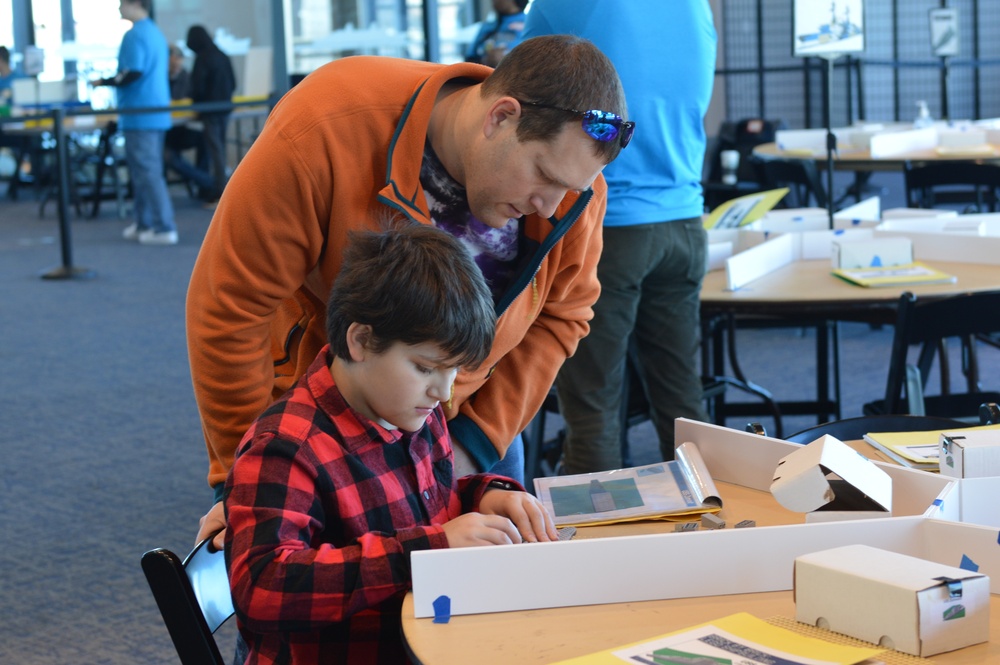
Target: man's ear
{"type": "Point", "coordinates": [502, 112]}
{"type": "Point", "coordinates": [359, 335]}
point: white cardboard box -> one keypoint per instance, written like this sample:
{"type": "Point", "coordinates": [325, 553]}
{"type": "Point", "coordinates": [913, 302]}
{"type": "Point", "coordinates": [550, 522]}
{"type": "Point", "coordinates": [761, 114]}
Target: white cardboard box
{"type": "Point", "coordinates": [709, 563]}
{"type": "Point", "coordinates": [974, 454]}
{"type": "Point", "coordinates": [901, 602]}
{"type": "Point", "coordinates": [886, 251]}
{"type": "Point", "coordinates": [829, 476]}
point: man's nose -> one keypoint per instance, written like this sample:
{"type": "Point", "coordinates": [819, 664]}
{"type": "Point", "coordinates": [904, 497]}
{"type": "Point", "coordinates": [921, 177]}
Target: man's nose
{"type": "Point", "coordinates": [545, 204]}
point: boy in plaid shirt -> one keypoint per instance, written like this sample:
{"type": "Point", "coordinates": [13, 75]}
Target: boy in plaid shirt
{"type": "Point", "coordinates": [337, 482]}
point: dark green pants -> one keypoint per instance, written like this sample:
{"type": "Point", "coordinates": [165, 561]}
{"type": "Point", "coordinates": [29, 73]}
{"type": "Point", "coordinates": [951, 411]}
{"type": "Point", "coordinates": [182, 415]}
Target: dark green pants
{"type": "Point", "coordinates": [650, 278]}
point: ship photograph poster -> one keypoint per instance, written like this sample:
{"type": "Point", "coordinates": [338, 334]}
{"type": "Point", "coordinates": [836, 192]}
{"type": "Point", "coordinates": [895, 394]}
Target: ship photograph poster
{"type": "Point", "coordinates": [826, 28]}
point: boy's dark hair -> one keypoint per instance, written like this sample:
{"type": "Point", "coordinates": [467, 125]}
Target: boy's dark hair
{"type": "Point", "coordinates": [4, 54]}
{"type": "Point", "coordinates": [412, 283]}
{"type": "Point", "coordinates": [563, 71]}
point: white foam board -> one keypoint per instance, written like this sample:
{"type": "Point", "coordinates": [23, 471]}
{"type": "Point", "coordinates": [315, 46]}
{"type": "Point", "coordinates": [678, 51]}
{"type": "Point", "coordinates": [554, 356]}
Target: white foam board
{"type": "Point", "coordinates": [980, 501]}
{"type": "Point", "coordinates": [745, 267]}
{"type": "Point", "coordinates": [890, 144]}
{"type": "Point", "coordinates": [587, 572]}
{"type": "Point", "coordinates": [975, 240]}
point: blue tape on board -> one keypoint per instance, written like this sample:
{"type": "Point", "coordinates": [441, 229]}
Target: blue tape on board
{"type": "Point", "coordinates": [968, 564]}
{"type": "Point", "coordinates": [442, 609]}
{"type": "Point", "coordinates": [938, 502]}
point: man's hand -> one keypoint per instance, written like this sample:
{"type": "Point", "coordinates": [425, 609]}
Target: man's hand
{"type": "Point", "coordinates": [214, 523]}
{"type": "Point", "coordinates": [473, 529]}
{"type": "Point", "coordinates": [527, 513]}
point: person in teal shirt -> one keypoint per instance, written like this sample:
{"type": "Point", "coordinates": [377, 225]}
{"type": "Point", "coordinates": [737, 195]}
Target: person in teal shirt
{"type": "Point", "coordinates": [499, 35]}
{"type": "Point", "coordinates": [7, 77]}
{"type": "Point", "coordinates": [142, 81]}
{"type": "Point", "coordinates": [653, 260]}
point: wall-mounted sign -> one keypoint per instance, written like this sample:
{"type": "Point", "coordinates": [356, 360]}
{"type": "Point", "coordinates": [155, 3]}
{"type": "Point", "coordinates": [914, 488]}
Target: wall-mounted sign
{"type": "Point", "coordinates": [944, 31]}
{"type": "Point", "coordinates": [825, 28]}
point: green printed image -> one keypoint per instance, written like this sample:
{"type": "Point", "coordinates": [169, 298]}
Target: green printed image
{"type": "Point", "coordinates": [954, 612]}
{"type": "Point", "coordinates": [673, 657]}
{"type": "Point", "coordinates": [577, 499]}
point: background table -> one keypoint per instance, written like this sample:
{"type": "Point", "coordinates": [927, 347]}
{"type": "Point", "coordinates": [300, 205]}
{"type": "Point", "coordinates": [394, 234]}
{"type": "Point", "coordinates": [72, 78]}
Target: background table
{"type": "Point", "coordinates": [861, 160]}
{"type": "Point", "coordinates": [805, 292]}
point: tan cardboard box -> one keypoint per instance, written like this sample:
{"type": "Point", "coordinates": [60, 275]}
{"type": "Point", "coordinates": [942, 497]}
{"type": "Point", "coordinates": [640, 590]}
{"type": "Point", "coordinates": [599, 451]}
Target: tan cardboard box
{"type": "Point", "coordinates": [829, 480]}
{"type": "Point", "coordinates": [972, 454]}
{"type": "Point", "coordinates": [900, 602]}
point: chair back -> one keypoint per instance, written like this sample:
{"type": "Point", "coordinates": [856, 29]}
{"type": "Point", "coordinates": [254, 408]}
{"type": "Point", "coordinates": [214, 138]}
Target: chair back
{"type": "Point", "coordinates": [742, 136]}
{"type": "Point", "coordinates": [800, 176]}
{"type": "Point", "coordinates": [936, 183]}
{"type": "Point", "coordinates": [926, 323]}
{"type": "Point", "coordinates": [193, 597]}
{"type": "Point", "coordinates": [851, 429]}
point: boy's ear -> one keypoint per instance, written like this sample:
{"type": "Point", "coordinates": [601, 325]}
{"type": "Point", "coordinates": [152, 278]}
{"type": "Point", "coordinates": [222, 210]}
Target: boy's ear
{"type": "Point", "coordinates": [358, 337]}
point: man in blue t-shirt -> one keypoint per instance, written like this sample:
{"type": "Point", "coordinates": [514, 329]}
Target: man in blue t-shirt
{"type": "Point", "coordinates": [142, 82]}
{"type": "Point", "coordinates": [653, 261]}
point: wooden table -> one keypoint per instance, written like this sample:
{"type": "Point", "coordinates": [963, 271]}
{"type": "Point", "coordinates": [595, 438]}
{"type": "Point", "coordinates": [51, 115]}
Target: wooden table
{"type": "Point", "coordinates": [862, 161]}
{"type": "Point", "coordinates": [551, 635]}
{"type": "Point", "coordinates": [806, 292]}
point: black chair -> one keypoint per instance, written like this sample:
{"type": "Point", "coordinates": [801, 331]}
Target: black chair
{"type": "Point", "coordinates": [193, 597]}
{"type": "Point", "coordinates": [742, 136]}
{"type": "Point", "coordinates": [96, 174]}
{"type": "Point", "coordinates": [926, 323]}
{"type": "Point", "coordinates": [934, 184]}
{"type": "Point", "coordinates": [800, 176]}
{"type": "Point", "coordinates": [850, 429]}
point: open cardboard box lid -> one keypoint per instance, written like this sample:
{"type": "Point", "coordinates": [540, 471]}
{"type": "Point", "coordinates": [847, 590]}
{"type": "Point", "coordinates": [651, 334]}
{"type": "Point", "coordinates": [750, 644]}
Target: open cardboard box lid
{"type": "Point", "coordinates": [802, 480]}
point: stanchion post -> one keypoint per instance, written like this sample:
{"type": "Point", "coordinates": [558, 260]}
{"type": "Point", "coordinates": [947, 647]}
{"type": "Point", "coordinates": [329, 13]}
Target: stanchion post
{"type": "Point", "coordinates": [66, 270]}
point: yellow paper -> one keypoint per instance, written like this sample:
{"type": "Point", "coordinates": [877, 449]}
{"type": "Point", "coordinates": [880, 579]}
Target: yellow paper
{"type": "Point", "coordinates": [901, 275]}
{"type": "Point", "coordinates": [744, 209]}
{"type": "Point", "coordinates": [711, 642]}
{"type": "Point", "coordinates": [910, 445]}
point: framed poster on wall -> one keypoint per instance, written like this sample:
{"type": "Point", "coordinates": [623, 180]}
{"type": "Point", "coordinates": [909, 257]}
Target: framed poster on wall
{"type": "Point", "coordinates": [827, 27]}
{"type": "Point", "coordinates": [944, 31]}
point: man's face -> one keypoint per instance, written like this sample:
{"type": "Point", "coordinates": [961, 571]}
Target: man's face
{"type": "Point", "coordinates": [507, 178]}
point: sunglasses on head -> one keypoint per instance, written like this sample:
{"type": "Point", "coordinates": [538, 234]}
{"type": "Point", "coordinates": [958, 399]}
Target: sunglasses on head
{"type": "Point", "coordinates": [601, 125]}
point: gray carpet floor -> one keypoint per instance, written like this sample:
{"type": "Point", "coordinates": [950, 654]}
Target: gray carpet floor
{"type": "Point", "coordinates": [101, 454]}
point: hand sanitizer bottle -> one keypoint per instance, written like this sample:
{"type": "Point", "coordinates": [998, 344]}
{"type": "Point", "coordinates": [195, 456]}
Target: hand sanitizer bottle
{"type": "Point", "coordinates": [923, 118]}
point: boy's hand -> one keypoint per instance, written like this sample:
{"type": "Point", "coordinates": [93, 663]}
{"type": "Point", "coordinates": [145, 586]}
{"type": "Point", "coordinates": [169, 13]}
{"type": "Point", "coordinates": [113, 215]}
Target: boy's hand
{"type": "Point", "coordinates": [526, 512]}
{"type": "Point", "coordinates": [472, 529]}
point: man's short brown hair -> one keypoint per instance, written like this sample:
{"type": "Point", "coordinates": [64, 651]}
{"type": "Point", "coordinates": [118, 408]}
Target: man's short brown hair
{"type": "Point", "coordinates": [562, 71]}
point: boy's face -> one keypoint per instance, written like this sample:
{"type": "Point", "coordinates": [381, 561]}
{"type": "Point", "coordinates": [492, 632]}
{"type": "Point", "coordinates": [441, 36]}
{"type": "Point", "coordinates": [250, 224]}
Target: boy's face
{"type": "Point", "coordinates": [401, 386]}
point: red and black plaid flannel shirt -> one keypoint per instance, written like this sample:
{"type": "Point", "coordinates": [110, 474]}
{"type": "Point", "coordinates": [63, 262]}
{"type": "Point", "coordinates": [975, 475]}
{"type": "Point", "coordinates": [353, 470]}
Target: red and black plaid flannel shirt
{"type": "Point", "coordinates": [324, 507]}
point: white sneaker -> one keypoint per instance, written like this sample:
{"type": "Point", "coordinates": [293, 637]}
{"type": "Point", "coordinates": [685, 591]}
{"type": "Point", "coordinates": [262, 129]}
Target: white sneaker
{"type": "Point", "coordinates": [151, 237]}
{"type": "Point", "coordinates": [131, 232]}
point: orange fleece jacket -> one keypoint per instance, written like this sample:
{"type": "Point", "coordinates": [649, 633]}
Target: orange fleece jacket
{"type": "Point", "coordinates": [341, 151]}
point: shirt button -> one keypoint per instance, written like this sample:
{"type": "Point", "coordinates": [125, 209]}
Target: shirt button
{"type": "Point", "coordinates": [427, 495]}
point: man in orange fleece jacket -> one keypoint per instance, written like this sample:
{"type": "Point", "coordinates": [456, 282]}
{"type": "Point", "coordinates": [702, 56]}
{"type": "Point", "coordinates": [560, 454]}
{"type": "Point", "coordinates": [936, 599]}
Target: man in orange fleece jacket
{"type": "Point", "coordinates": [508, 160]}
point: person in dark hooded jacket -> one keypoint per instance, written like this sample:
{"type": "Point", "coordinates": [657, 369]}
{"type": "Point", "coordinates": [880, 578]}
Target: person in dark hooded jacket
{"type": "Point", "coordinates": [212, 80]}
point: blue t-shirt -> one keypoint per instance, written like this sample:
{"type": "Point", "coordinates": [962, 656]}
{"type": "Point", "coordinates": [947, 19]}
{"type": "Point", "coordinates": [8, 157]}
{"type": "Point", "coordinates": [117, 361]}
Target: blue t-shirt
{"type": "Point", "coordinates": [665, 56]}
{"type": "Point", "coordinates": [500, 32]}
{"type": "Point", "coordinates": [144, 49]}
{"type": "Point", "coordinates": [6, 86]}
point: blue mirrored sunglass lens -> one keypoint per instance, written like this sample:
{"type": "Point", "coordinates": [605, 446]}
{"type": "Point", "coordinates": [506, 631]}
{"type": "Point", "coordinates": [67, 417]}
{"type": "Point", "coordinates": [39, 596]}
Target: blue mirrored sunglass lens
{"type": "Point", "coordinates": [601, 125]}
{"type": "Point", "coordinates": [601, 131]}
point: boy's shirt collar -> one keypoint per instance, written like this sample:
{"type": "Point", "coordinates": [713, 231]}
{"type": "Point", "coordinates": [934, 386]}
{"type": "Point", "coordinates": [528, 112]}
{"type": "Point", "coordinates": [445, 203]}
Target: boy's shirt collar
{"type": "Point", "coordinates": [357, 430]}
